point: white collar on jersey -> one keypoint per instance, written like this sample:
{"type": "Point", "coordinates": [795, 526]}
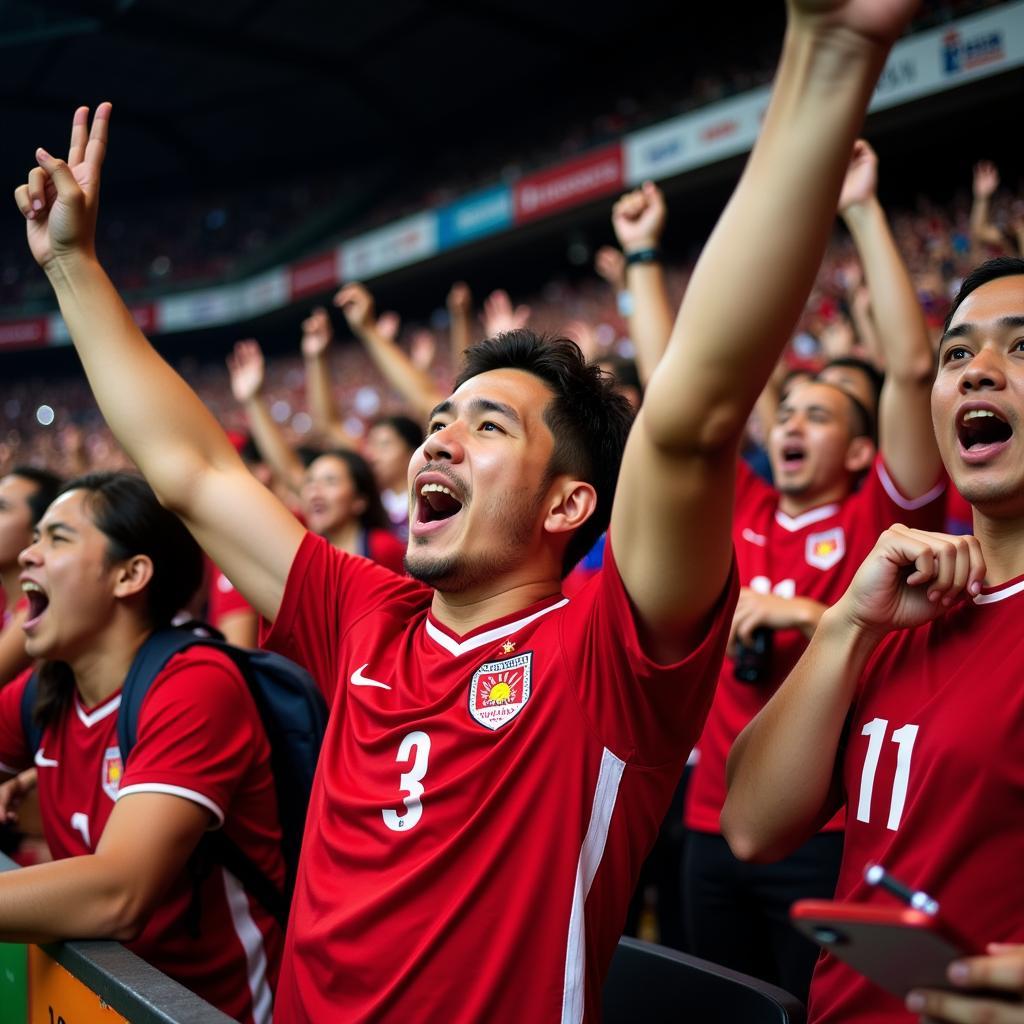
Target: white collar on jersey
{"type": "Point", "coordinates": [90, 718]}
{"type": "Point", "coordinates": [999, 595]}
{"type": "Point", "coordinates": [794, 523]}
{"type": "Point", "coordinates": [455, 647]}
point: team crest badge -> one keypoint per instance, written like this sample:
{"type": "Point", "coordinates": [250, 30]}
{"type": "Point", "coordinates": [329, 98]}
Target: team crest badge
{"type": "Point", "coordinates": [499, 690]}
{"type": "Point", "coordinates": [825, 549]}
{"type": "Point", "coordinates": [111, 772]}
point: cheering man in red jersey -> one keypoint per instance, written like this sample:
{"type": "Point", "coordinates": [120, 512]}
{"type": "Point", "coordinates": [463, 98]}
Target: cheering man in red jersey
{"type": "Point", "coordinates": [499, 758]}
{"type": "Point", "coordinates": [908, 702]}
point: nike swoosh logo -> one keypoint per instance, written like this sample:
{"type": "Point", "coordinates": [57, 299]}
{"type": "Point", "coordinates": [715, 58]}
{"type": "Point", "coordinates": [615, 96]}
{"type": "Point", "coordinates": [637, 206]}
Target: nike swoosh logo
{"type": "Point", "coordinates": [358, 679]}
{"type": "Point", "coordinates": [43, 761]}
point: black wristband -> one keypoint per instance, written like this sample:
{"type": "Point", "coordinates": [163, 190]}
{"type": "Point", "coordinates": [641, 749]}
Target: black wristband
{"type": "Point", "coordinates": [643, 256]}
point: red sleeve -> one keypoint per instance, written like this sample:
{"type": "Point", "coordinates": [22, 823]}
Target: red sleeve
{"type": "Point", "coordinates": [327, 591]}
{"type": "Point", "coordinates": [387, 550]}
{"type": "Point", "coordinates": [223, 599]}
{"type": "Point", "coordinates": [199, 732]}
{"type": "Point", "coordinates": [889, 505]}
{"type": "Point", "coordinates": [644, 712]}
{"type": "Point", "coordinates": [15, 755]}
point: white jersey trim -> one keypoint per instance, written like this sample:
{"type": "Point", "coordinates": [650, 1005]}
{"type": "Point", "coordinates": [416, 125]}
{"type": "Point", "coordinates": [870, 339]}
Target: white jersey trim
{"type": "Point", "coordinates": [185, 794]}
{"type": "Point", "coordinates": [90, 718]}
{"type": "Point", "coordinates": [999, 595]}
{"type": "Point", "coordinates": [251, 938]}
{"type": "Point", "coordinates": [907, 504]}
{"type": "Point", "coordinates": [485, 639]}
{"type": "Point", "coordinates": [794, 523]}
{"type": "Point", "coordinates": [605, 795]}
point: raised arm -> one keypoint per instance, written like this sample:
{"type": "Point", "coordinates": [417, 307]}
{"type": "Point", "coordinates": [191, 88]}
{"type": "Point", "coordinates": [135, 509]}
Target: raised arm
{"type": "Point", "coordinates": [162, 424]}
{"type": "Point", "coordinates": [784, 780]}
{"type": "Point", "coordinates": [416, 387]}
{"type": "Point", "coordinates": [317, 335]}
{"type": "Point", "coordinates": [639, 221]}
{"type": "Point", "coordinates": [246, 367]}
{"type": "Point", "coordinates": [906, 435]}
{"type": "Point", "coordinates": [460, 321]}
{"type": "Point", "coordinates": [985, 183]}
{"type": "Point", "coordinates": [672, 518]}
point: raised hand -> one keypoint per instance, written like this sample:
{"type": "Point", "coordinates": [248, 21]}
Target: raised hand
{"type": "Point", "coordinates": [246, 367]}
{"type": "Point", "coordinates": [460, 299]}
{"type": "Point", "coordinates": [910, 578]}
{"type": "Point", "coordinates": [61, 198]}
{"type": "Point", "coordinates": [754, 610]}
{"type": "Point", "coordinates": [423, 349]}
{"type": "Point", "coordinates": [388, 325]}
{"type": "Point", "coordinates": [585, 336]}
{"type": "Point", "coordinates": [500, 316]}
{"type": "Point", "coordinates": [316, 333]}
{"type": "Point", "coordinates": [638, 218]}
{"type": "Point", "coordinates": [611, 265]}
{"type": "Point", "coordinates": [986, 179]}
{"type": "Point", "coordinates": [877, 21]}
{"type": "Point", "coordinates": [358, 306]}
{"type": "Point", "coordinates": [861, 181]}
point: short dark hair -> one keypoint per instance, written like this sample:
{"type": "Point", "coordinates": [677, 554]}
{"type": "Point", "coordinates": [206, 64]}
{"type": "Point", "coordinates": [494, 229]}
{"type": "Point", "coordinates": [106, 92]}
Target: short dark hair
{"type": "Point", "coordinates": [47, 488]}
{"type": "Point", "coordinates": [874, 375]}
{"type": "Point", "coordinates": [373, 517]}
{"type": "Point", "coordinates": [125, 509]}
{"type": "Point", "coordinates": [990, 270]}
{"type": "Point", "coordinates": [405, 427]}
{"type": "Point", "coordinates": [588, 419]}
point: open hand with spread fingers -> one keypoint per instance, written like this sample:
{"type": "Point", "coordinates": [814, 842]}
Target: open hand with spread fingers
{"type": "Point", "coordinates": [61, 197]}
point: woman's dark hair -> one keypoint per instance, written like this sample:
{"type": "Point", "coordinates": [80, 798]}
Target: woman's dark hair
{"type": "Point", "coordinates": [373, 516]}
{"type": "Point", "coordinates": [48, 486]}
{"type": "Point", "coordinates": [990, 270]}
{"type": "Point", "coordinates": [124, 508]}
{"type": "Point", "coordinates": [406, 428]}
{"type": "Point", "coordinates": [588, 419]}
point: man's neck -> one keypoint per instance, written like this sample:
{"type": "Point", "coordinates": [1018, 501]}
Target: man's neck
{"type": "Point", "coordinates": [794, 505]}
{"type": "Point", "coordinates": [467, 611]}
{"type": "Point", "coordinates": [1002, 544]}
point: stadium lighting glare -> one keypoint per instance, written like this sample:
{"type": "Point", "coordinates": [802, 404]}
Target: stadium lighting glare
{"type": "Point", "coordinates": [45, 415]}
{"type": "Point", "coordinates": [281, 411]}
{"type": "Point", "coordinates": [302, 423]}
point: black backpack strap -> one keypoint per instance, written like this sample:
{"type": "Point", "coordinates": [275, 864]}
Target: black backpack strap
{"type": "Point", "coordinates": [29, 726]}
{"type": "Point", "coordinates": [153, 655]}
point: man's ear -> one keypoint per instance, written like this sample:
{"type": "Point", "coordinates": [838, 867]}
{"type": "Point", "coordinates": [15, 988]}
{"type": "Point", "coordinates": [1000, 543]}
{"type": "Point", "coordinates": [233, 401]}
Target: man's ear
{"type": "Point", "coordinates": [860, 453]}
{"type": "Point", "coordinates": [570, 506]}
{"type": "Point", "coordinates": [133, 576]}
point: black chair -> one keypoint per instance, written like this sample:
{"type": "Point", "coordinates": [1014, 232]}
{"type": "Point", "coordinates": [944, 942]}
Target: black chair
{"type": "Point", "coordinates": [656, 985]}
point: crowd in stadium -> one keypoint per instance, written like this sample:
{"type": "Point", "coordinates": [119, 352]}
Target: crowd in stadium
{"type": "Point", "coordinates": [719, 559]}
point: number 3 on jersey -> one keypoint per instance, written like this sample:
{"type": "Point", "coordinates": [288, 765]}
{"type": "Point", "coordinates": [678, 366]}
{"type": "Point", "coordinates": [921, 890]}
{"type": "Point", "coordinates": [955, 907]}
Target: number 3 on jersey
{"type": "Point", "coordinates": [415, 747]}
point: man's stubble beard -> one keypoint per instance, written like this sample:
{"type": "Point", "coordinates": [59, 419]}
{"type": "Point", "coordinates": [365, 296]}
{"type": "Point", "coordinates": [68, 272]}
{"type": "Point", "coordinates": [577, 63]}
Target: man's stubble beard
{"type": "Point", "coordinates": [456, 572]}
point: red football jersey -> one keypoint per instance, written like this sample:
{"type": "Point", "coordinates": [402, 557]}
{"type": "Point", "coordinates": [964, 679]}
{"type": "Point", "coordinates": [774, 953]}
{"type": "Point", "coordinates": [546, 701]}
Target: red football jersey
{"type": "Point", "coordinates": [933, 769]}
{"type": "Point", "coordinates": [483, 803]}
{"type": "Point", "coordinates": [222, 598]}
{"type": "Point", "coordinates": [200, 738]}
{"type": "Point", "coordinates": [811, 555]}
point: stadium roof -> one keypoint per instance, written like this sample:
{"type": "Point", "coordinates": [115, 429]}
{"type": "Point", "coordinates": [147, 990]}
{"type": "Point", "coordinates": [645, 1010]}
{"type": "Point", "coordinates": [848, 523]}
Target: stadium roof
{"type": "Point", "coordinates": [257, 90]}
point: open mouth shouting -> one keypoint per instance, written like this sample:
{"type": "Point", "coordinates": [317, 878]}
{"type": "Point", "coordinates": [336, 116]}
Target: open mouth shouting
{"type": "Point", "coordinates": [38, 602]}
{"type": "Point", "coordinates": [982, 432]}
{"type": "Point", "coordinates": [794, 455]}
{"type": "Point", "coordinates": [437, 502]}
